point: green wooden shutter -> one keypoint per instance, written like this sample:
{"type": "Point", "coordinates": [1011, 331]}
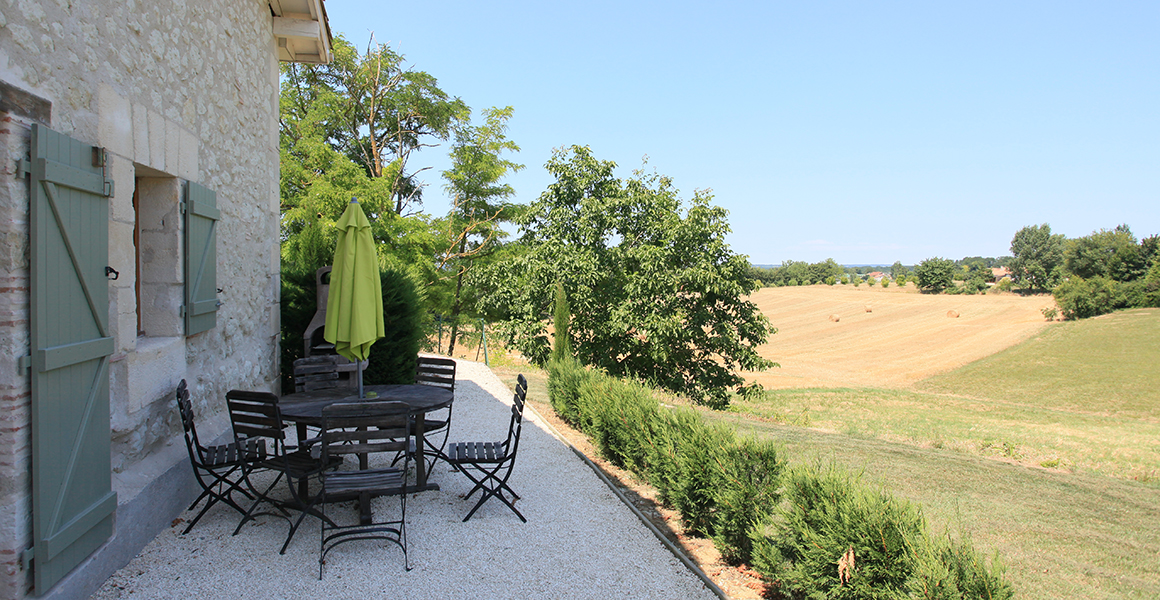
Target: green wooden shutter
{"type": "Point", "coordinates": [201, 216]}
{"type": "Point", "coordinates": [72, 498]}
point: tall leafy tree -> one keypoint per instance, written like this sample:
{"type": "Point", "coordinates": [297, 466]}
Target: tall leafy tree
{"type": "Point", "coordinates": [479, 205]}
{"type": "Point", "coordinates": [1113, 254]}
{"type": "Point", "coordinates": [1037, 257]}
{"type": "Point", "coordinates": [655, 291]}
{"type": "Point", "coordinates": [935, 274]}
{"type": "Point", "coordinates": [818, 272]}
{"type": "Point", "coordinates": [897, 271]}
{"type": "Point", "coordinates": [374, 110]}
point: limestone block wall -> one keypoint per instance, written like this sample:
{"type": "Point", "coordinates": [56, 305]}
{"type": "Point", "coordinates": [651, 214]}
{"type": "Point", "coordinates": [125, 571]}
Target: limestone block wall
{"type": "Point", "coordinates": [176, 91]}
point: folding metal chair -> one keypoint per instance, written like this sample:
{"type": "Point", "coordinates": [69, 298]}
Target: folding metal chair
{"type": "Point", "coordinates": [365, 428]}
{"type": "Point", "coordinates": [214, 467]}
{"type": "Point", "coordinates": [437, 372]}
{"type": "Point", "coordinates": [489, 464]}
{"type": "Point", "coordinates": [255, 415]}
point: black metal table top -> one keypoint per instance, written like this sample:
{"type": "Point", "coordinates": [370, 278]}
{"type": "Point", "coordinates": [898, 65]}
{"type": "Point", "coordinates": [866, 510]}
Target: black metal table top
{"type": "Point", "coordinates": [306, 407]}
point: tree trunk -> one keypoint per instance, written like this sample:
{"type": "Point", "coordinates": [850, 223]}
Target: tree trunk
{"type": "Point", "coordinates": [456, 306]}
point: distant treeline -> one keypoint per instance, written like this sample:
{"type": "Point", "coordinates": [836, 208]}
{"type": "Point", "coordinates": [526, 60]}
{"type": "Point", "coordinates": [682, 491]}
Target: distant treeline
{"type": "Point", "coordinates": [1091, 275]}
{"type": "Point", "coordinates": [792, 272]}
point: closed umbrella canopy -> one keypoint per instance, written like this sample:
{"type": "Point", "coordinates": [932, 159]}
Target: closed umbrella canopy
{"type": "Point", "coordinates": [354, 310]}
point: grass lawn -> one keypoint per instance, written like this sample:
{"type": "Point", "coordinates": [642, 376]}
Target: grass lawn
{"type": "Point", "coordinates": [1108, 365]}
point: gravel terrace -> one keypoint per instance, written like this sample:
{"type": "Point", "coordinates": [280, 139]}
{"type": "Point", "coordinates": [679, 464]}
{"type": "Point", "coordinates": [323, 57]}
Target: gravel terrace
{"type": "Point", "coordinates": [580, 540]}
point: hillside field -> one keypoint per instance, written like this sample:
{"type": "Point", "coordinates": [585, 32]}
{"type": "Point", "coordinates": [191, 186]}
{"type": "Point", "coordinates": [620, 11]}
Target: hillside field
{"type": "Point", "coordinates": [906, 336]}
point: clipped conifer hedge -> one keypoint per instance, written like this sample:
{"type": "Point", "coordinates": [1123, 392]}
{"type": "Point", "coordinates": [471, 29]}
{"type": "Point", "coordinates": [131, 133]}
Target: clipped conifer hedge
{"type": "Point", "coordinates": [812, 532]}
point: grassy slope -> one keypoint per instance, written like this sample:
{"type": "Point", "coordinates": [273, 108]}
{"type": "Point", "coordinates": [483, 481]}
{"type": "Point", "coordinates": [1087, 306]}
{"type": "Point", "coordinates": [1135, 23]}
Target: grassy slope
{"type": "Point", "coordinates": [1093, 406]}
{"type": "Point", "coordinates": [1081, 396]}
{"type": "Point", "coordinates": [1061, 535]}
{"type": "Point", "coordinates": [1108, 365]}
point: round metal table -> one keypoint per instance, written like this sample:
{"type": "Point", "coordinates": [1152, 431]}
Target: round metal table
{"type": "Point", "coordinates": [305, 408]}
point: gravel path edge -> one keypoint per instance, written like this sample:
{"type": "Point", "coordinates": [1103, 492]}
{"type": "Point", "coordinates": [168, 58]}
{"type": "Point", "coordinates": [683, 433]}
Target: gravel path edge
{"type": "Point", "coordinates": [681, 556]}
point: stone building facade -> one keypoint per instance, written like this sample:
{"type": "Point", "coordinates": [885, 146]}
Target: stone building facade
{"type": "Point", "coordinates": [174, 92]}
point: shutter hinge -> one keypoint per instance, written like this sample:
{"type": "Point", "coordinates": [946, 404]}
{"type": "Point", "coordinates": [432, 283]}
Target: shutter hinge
{"type": "Point", "coordinates": [26, 556]}
{"type": "Point", "coordinates": [24, 363]}
{"type": "Point", "coordinates": [181, 311]}
{"type": "Point", "coordinates": [108, 188]}
{"type": "Point", "coordinates": [181, 207]}
{"type": "Point", "coordinates": [23, 168]}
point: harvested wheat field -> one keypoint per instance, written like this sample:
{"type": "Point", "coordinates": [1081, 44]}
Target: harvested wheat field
{"type": "Point", "coordinates": [842, 336]}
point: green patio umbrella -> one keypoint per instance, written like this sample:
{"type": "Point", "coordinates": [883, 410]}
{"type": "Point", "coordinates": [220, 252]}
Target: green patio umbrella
{"type": "Point", "coordinates": [354, 310]}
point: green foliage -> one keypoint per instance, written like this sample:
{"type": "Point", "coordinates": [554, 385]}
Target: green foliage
{"type": "Point", "coordinates": [935, 274]}
{"type": "Point", "coordinates": [297, 308]}
{"type": "Point", "coordinates": [472, 229]}
{"type": "Point", "coordinates": [720, 485]}
{"type": "Point", "coordinates": [748, 491]}
{"type": "Point", "coordinates": [370, 108]}
{"type": "Point", "coordinates": [827, 268]}
{"type": "Point", "coordinates": [698, 446]}
{"type": "Point", "coordinates": [347, 130]}
{"type": "Point", "coordinates": [620, 412]}
{"type": "Point", "coordinates": [975, 284]}
{"type": "Point", "coordinates": [655, 290]}
{"type": "Point", "coordinates": [800, 273]}
{"type": "Point", "coordinates": [845, 279]}
{"type": "Point", "coordinates": [830, 516]}
{"type": "Point", "coordinates": [1151, 287]}
{"type": "Point", "coordinates": [1113, 254]}
{"type": "Point", "coordinates": [561, 321]}
{"type": "Point", "coordinates": [949, 569]}
{"type": "Point", "coordinates": [1050, 313]}
{"type": "Point", "coordinates": [885, 282]}
{"type": "Point", "coordinates": [731, 489]}
{"type": "Point", "coordinates": [1080, 298]}
{"type": "Point", "coordinates": [392, 358]}
{"type": "Point", "coordinates": [857, 281]}
{"type": "Point", "coordinates": [898, 272]}
{"type": "Point", "coordinates": [1121, 274]}
{"type": "Point", "coordinates": [827, 512]}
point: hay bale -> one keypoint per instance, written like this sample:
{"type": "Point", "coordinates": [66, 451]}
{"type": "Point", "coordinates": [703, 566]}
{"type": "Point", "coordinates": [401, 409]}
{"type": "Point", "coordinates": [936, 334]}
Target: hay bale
{"type": "Point", "coordinates": [835, 318]}
{"type": "Point", "coordinates": [954, 314]}
{"type": "Point", "coordinates": [868, 308]}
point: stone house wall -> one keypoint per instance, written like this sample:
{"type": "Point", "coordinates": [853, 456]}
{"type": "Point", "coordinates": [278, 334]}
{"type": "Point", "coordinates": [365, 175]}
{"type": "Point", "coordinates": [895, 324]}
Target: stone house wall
{"type": "Point", "coordinates": [175, 91]}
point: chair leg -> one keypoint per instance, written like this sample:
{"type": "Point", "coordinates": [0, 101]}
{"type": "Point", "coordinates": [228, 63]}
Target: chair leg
{"type": "Point", "coordinates": [225, 489]}
{"type": "Point", "coordinates": [260, 497]}
{"type": "Point", "coordinates": [492, 486]}
{"type": "Point", "coordinates": [496, 493]}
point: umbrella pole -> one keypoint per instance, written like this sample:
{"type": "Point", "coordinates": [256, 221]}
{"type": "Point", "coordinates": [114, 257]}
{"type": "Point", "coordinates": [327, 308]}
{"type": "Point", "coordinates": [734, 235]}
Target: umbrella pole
{"type": "Point", "coordinates": [358, 372]}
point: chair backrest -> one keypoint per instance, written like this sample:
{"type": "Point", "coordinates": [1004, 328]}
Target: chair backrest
{"type": "Point", "coordinates": [185, 408]}
{"type": "Point", "coordinates": [516, 425]}
{"type": "Point", "coordinates": [256, 414]}
{"type": "Point", "coordinates": [436, 371]}
{"type": "Point", "coordinates": [322, 372]}
{"type": "Point", "coordinates": [366, 428]}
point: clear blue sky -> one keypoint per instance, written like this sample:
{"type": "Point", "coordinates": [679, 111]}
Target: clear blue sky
{"type": "Point", "coordinates": [863, 132]}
